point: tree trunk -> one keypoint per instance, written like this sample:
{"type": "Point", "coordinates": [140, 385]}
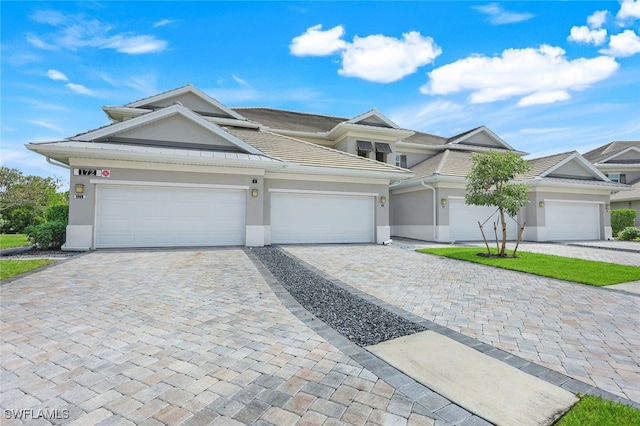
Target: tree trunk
{"type": "Point", "coordinates": [485, 239]}
{"type": "Point", "coordinates": [519, 238]}
{"type": "Point", "coordinates": [503, 249]}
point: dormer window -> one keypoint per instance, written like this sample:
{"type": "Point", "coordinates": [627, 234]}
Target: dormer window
{"type": "Point", "coordinates": [364, 148]}
{"type": "Point", "coordinates": [617, 177]}
{"type": "Point", "coordinates": [382, 149]}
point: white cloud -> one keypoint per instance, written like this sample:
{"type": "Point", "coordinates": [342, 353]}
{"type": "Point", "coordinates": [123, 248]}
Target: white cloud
{"type": "Point", "coordinates": [74, 32]}
{"type": "Point", "coordinates": [80, 89]}
{"type": "Point", "coordinates": [162, 23]}
{"type": "Point", "coordinates": [498, 16]}
{"type": "Point", "coordinates": [597, 19]}
{"type": "Point", "coordinates": [583, 34]}
{"type": "Point", "coordinates": [46, 125]}
{"type": "Point", "coordinates": [386, 59]}
{"type": "Point", "coordinates": [375, 58]}
{"type": "Point", "coordinates": [629, 9]}
{"type": "Point", "coordinates": [56, 75]}
{"type": "Point", "coordinates": [627, 43]}
{"type": "Point", "coordinates": [542, 75]}
{"type": "Point", "coordinates": [242, 82]}
{"type": "Point", "coordinates": [135, 45]}
{"type": "Point", "coordinates": [315, 42]}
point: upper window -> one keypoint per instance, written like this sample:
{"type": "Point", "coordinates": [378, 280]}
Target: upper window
{"type": "Point", "coordinates": [617, 177]}
{"type": "Point", "coordinates": [364, 148]}
{"type": "Point", "coordinates": [401, 160]}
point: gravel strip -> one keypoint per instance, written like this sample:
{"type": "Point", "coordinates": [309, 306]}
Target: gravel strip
{"type": "Point", "coordinates": [358, 320]}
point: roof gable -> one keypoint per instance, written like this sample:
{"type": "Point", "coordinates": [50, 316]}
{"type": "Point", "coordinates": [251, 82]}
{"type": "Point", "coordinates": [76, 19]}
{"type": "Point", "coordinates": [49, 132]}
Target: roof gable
{"type": "Point", "coordinates": [373, 118]}
{"type": "Point", "coordinates": [568, 165]}
{"type": "Point", "coordinates": [609, 150]}
{"type": "Point", "coordinates": [174, 126]}
{"type": "Point", "coordinates": [481, 137]}
{"type": "Point", "coordinates": [190, 97]}
{"type": "Point", "coordinates": [630, 155]}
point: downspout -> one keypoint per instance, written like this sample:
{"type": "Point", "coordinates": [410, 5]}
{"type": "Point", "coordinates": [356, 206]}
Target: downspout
{"type": "Point", "coordinates": [434, 208]}
{"type": "Point", "coordinates": [56, 163]}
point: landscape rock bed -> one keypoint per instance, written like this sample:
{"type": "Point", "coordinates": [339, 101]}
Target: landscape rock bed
{"type": "Point", "coordinates": [357, 319]}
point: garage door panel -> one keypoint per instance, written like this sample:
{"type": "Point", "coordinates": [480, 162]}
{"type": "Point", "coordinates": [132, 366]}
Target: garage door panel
{"type": "Point", "coordinates": [567, 221]}
{"type": "Point", "coordinates": [130, 216]}
{"type": "Point", "coordinates": [463, 222]}
{"type": "Point", "coordinates": [320, 218]}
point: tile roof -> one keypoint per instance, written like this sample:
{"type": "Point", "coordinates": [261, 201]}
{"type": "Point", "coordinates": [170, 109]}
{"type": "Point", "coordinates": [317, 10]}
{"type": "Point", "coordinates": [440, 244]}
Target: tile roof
{"type": "Point", "coordinates": [542, 164]}
{"type": "Point", "coordinates": [447, 162]}
{"type": "Point", "coordinates": [308, 154]}
{"type": "Point", "coordinates": [291, 120]}
{"type": "Point", "coordinates": [459, 135]}
{"type": "Point", "coordinates": [634, 194]}
{"type": "Point", "coordinates": [609, 149]}
{"type": "Point", "coordinates": [425, 139]}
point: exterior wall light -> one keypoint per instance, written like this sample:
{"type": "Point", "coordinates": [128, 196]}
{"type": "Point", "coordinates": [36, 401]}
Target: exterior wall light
{"type": "Point", "coordinates": [383, 200]}
{"type": "Point", "coordinates": [541, 204]}
{"type": "Point", "coordinates": [254, 192]}
{"type": "Point", "coordinates": [79, 188]}
{"type": "Point", "coordinates": [443, 202]}
{"type": "Point", "coordinates": [607, 207]}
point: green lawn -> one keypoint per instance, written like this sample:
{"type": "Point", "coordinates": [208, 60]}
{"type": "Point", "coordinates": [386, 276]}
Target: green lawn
{"type": "Point", "coordinates": [563, 268]}
{"type": "Point", "coordinates": [12, 267]}
{"type": "Point", "coordinates": [13, 240]}
{"type": "Point", "coordinates": [594, 411]}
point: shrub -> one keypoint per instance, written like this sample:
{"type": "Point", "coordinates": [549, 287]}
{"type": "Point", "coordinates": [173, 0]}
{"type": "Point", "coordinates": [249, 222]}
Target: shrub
{"type": "Point", "coordinates": [47, 235]}
{"type": "Point", "coordinates": [621, 219]}
{"type": "Point", "coordinates": [629, 234]}
{"type": "Point", "coordinates": [59, 213]}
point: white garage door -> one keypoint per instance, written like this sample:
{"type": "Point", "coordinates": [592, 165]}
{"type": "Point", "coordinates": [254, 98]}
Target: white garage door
{"type": "Point", "coordinates": [463, 222]}
{"type": "Point", "coordinates": [321, 218]}
{"type": "Point", "coordinates": [572, 221]}
{"type": "Point", "coordinates": [147, 216]}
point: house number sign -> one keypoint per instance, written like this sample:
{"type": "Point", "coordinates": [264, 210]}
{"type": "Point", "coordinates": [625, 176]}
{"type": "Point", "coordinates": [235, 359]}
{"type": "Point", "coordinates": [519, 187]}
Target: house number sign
{"type": "Point", "coordinates": [92, 172]}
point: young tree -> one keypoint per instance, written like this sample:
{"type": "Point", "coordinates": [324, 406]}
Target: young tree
{"type": "Point", "coordinates": [490, 183]}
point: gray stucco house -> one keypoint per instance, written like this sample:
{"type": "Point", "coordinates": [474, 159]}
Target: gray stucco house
{"type": "Point", "coordinates": [181, 169]}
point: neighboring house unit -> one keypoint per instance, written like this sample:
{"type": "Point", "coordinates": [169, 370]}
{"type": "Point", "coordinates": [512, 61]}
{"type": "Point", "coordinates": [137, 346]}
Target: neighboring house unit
{"type": "Point", "coordinates": [181, 169]}
{"type": "Point", "coordinates": [620, 161]}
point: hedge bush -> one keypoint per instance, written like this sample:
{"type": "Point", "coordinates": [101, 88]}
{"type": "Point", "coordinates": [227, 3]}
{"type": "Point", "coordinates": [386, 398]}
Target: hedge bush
{"type": "Point", "coordinates": [629, 234]}
{"type": "Point", "coordinates": [58, 213]}
{"type": "Point", "coordinates": [47, 235]}
{"type": "Point", "coordinates": [621, 219]}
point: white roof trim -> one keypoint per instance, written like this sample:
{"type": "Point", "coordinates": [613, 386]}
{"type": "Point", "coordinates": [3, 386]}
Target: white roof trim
{"type": "Point", "coordinates": [373, 113]}
{"type": "Point", "coordinates": [186, 89]}
{"type": "Point", "coordinates": [624, 151]}
{"type": "Point", "coordinates": [577, 157]}
{"type": "Point", "coordinates": [160, 115]}
{"type": "Point", "coordinates": [482, 129]}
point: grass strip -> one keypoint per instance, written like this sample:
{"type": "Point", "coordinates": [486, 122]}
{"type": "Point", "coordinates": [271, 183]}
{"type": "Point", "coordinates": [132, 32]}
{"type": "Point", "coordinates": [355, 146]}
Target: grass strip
{"type": "Point", "coordinates": [12, 267]}
{"type": "Point", "coordinates": [594, 411]}
{"type": "Point", "coordinates": [563, 268]}
{"type": "Point", "coordinates": [13, 240]}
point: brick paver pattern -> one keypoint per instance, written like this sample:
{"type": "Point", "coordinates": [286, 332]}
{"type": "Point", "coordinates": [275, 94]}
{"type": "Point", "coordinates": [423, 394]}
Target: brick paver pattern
{"type": "Point", "coordinates": [176, 337]}
{"type": "Point", "coordinates": [588, 333]}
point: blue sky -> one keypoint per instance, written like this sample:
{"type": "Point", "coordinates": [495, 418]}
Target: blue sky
{"type": "Point", "coordinates": [547, 77]}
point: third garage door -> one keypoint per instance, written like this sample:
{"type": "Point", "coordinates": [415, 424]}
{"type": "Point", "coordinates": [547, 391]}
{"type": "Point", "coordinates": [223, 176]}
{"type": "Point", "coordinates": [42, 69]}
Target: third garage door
{"type": "Point", "coordinates": [321, 218]}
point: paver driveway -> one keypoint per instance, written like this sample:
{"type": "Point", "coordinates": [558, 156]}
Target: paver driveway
{"type": "Point", "coordinates": [152, 337]}
{"type": "Point", "coordinates": [588, 333]}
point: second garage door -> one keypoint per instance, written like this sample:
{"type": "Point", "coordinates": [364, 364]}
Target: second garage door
{"type": "Point", "coordinates": [149, 216]}
{"type": "Point", "coordinates": [321, 218]}
{"type": "Point", "coordinates": [572, 221]}
{"type": "Point", "coordinates": [463, 222]}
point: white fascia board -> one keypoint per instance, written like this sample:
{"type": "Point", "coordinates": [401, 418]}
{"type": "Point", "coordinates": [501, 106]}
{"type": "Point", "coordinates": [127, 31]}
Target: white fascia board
{"type": "Point", "coordinates": [325, 178]}
{"type": "Point", "coordinates": [617, 154]}
{"type": "Point", "coordinates": [577, 157]}
{"type": "Point", "coordinates": [618, 166]}
{"type": "Point", "coordinates": [118, 114]}
{"type": "Point", "coordinates": [419, 146]}
{"type": "Point", "coordinates": [161, 114]}
{"type": "Point", "coordinates": [187, 89]}
{"type": "Point", "coordinates": [432, 179]}
{"type": "Point", "coordinates": [111, 152]}
{"type": "Point", "coordinates": [140, 165]}
{"type": "Point", "coordinates": [344, 127]}
{"type": "Point", "coordinates": [542, 183]}
{"type": "Point", "coordinates": [336, 171]}
{"type": "Point", "coordinates": [478, 149]}
{"type": "Point", "coordinates": [232, 122]}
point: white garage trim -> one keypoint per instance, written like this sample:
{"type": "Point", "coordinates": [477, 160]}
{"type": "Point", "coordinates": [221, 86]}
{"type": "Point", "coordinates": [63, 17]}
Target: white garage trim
{"type": "Point", "coordinates": [572, 220]}
{"type": "Point", "coordinates": [168, 216]}
{"type": "Point", "coordinates": [463, 222]}
{"type": "Point", "coordinates": [311, 191]}
{"type": "Point", "coordinates": [319, 217]}
{"type": "Point", "coordinates": [107, 181]}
